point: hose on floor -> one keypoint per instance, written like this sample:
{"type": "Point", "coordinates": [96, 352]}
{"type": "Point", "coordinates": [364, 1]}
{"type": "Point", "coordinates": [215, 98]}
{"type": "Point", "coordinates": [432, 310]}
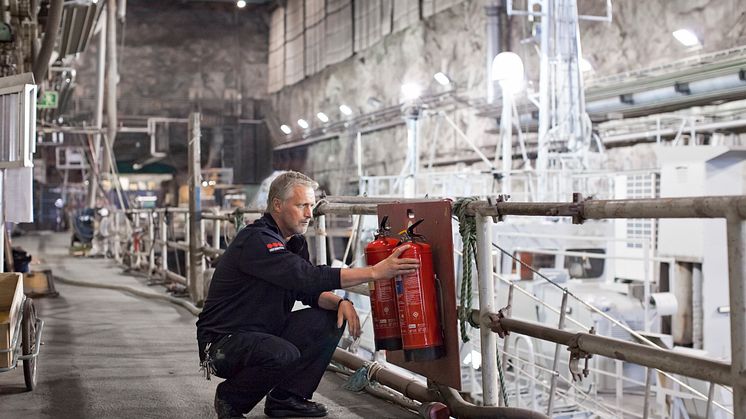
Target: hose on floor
{"type": "Point", "coordinates": [132, 290]}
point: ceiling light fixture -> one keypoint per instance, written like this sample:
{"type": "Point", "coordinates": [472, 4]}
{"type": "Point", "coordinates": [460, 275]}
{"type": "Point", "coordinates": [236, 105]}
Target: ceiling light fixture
{"type": "Point", "coordinates": [322, 117]}
{"type": "Point", "coordinates": [441, 78]}
{"type": "Point", "coordinates": [303, 123]}
{"type": "Point", "coordinates": [585, 65]}
{"type": "Point", "coordinates": [345, 110]}
{"type": "Point", "coordinates": [241, 4]}
{"type": "Point", "coordinates": [286, 129]}
{"type": "Point", "coordinates": [686, 37]}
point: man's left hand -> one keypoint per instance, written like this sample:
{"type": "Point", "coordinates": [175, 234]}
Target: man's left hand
{"type": "Point", "coordinates": [346, 311]}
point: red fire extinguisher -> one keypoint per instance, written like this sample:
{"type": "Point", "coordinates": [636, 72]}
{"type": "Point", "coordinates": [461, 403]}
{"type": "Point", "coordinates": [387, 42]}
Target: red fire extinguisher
{"type": "Point", "coordinates": [382, 295]}
{"type": "Point", "coordinates": [417, 297]}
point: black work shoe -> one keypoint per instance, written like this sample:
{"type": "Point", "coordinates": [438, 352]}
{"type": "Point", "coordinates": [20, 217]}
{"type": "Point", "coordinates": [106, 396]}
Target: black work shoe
{"type": "Point", "coordinates": [226, 411]}
{"type": "Point", "coordinates": [293, 406]}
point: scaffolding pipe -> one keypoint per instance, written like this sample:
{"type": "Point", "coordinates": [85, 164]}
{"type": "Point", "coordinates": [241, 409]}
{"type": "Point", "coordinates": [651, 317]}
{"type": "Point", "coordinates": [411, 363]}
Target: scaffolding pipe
{"type": "Point", "coordinates": [196, 278]}
{"type": "Point", "coordinates": [487, 305]}
{"type": "Point", "coordinates": [320, 230]}
{"type": "Point", "coordinates": [736, 235]}
{"type": "Point", "coordinates": [555, 362]}
{"type": "Point", "coordinates": [99, 117]}
{"type": "Point", "coordinates": [693, 207]}
{"type": "Point", "coordinates": [112, 77]}
{"type": "Point", "coordinates": [666, 360]}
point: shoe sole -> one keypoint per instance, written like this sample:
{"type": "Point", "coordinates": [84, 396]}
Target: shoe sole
{"type": "Point", "coordinates": [293, 414]}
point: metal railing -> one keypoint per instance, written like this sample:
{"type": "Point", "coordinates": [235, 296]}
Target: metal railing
{"type": "Point", "coordinates": [138, 241]}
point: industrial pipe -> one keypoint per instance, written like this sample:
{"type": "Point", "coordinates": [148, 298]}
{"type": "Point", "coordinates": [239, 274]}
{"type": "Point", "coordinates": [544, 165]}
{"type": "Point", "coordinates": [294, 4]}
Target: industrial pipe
{"type": "Point", "coordinates": [41, 63]}
{"type": "Point", "coordinates": [699, 207]}
{"type": "Point", "coordinates": [418, 391]}
{"type": "Point", "coordinates": [662, 359]}
{"type": "Point", "coordinates": [112, 76]}
{"type": "Point", "coordinates": [463, 409]}
{"type": "Point", "coordinates": [406, 386]}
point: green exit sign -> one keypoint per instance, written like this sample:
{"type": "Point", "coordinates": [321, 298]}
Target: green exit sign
{"type": "Point", "coordinates": [48, 100]}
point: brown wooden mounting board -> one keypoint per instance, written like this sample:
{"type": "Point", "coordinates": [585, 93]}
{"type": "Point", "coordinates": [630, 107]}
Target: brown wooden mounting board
{"type": "Point", "coordinates": [437, 230]}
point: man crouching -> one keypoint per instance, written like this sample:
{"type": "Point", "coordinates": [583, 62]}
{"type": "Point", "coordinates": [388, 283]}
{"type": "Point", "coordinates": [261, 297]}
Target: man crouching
{"type": "Point", "coordinates": [247, 333]}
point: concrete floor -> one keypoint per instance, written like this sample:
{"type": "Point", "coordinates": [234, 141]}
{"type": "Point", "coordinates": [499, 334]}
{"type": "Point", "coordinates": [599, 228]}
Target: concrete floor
{"type": "Point", "coordinates": [110, 354]}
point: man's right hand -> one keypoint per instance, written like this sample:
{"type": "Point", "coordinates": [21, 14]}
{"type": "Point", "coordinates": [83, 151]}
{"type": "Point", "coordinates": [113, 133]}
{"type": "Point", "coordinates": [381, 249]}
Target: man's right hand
{"type": "Point", "coordinates": [394, 265]}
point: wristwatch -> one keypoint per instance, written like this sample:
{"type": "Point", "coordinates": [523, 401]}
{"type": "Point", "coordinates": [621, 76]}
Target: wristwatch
{"type": "Point", "coordinates": [344, 299]}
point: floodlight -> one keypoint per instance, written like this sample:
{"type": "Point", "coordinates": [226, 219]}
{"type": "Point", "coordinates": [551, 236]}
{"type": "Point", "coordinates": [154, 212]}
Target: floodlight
{"type": "Point", "coordinates": [686, 37]}
{"type": "Point", "coordinates": [303, 123]}
{"type": "Point", "coordinates": [410, 91]}
{"type": "Point", "coordinates": [441, 78]}
{"type": "Point", "coordinates": [345, 110]}
{"type": "Point", "coordinates": [322, 117]}
{"type": "Point", "coordinates": [286, 129]}
{"type": "Point", "coordinates": [241, 4]}
{"type": "Point", "coordinates": [507, 68]}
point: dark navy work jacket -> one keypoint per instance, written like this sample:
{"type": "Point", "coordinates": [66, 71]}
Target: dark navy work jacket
{"type": "Point", "coordinates": [257, 281]}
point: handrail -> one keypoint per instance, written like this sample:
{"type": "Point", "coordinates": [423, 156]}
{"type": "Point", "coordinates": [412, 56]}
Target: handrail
{"type": "Point", "coordinates": [732, 208]}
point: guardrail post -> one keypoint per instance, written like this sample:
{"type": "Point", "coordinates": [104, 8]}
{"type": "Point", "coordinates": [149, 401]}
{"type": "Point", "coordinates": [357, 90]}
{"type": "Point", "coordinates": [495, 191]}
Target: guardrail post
{"type": "Point", "coordinates": [486, 305]}
{"type": "Point", "coordinates": [320, 236]}
{"type": "Point", "coordinates": [135, 251]}
{"type": "Point", "coordinates": [196, 280]}
{"type": "Point", "coordinates": [736, 232]}
{"type": "Point", "coordinates": [557, 351]}
{"type": "Point", "coordinates": [151, 242]}
{"type": "Point", "coordinates": [216, 231]}
{"type": "Point", "coordinates": [164, 244]}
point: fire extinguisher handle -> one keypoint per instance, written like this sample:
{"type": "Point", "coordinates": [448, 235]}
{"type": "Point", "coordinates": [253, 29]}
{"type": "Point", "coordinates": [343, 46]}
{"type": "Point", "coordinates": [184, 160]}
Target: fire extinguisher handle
{"type": "Point", "coordinates": [441, 311]}
{"type": "Point", "coordinates": [384, 224]}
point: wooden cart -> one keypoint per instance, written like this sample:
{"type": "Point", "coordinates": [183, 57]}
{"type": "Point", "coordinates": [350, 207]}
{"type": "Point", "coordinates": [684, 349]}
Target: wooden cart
{"type": "Point", "coordinates": [20, 329]}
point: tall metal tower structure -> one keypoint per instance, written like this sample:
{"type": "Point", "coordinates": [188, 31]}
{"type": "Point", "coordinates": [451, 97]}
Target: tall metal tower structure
{"type": "Point", "coordinates": [564, 125]}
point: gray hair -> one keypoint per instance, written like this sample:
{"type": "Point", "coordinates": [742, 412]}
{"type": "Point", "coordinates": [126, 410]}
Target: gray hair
{"type": "Point", "coordinates": [282, 186]}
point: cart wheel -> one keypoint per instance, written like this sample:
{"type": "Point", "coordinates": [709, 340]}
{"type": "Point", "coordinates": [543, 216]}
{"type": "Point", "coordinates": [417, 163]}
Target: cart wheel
{"type": "Point", "coordinates": [28, 342]}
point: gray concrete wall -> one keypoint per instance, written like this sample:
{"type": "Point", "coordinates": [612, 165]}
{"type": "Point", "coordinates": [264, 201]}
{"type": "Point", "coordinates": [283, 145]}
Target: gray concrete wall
{"type": "Point", "coordinates": [179, 56]}
{"type": "Point", "coordinates": [453, 41]}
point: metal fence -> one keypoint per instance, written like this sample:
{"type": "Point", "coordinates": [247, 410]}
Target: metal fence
{"type": "Point", "coordinates": [141, 235]}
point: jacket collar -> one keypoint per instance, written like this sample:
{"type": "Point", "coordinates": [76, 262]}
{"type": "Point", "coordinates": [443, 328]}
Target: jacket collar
{"type": "Point", "coordinates": [296, 241]}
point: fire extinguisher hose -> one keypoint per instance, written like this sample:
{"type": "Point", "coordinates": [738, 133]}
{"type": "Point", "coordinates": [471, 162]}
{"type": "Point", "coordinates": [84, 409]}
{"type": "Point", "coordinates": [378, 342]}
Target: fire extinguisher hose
{"type": "Point", "coordinates": [467, 227]}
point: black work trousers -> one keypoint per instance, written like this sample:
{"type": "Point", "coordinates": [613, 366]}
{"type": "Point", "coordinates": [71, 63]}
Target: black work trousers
{"type": "Point", "coordinates": [254, 363]}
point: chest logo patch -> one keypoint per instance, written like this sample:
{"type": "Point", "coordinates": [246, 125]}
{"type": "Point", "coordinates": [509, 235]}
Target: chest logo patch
{"type": "Point", "coordinates": [275, 246]}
